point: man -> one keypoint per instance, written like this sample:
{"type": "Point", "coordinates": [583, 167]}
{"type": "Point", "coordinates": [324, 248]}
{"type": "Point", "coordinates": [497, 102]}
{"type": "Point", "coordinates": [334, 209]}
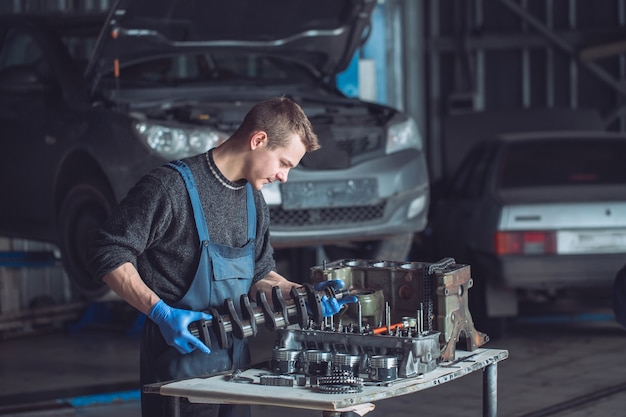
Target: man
{"type": "Point", "coordinates": [194, 232]}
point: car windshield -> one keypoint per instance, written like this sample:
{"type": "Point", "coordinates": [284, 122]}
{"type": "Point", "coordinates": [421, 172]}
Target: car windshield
{"type": "Point", "coordinates": [212, 67]}
{"type": "Point", "coordinates": [563, 162]}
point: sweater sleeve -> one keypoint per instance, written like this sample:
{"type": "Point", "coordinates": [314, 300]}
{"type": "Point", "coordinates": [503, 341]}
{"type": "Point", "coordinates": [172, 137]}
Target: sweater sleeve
{"type": "Point", "coordinates": [135, 224]}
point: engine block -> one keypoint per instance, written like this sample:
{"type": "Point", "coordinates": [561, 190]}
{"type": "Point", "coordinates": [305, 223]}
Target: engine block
{"type": "Point", "coordinates": [412, 354]}
{"type": "Point", "coordinates": [433, 294]}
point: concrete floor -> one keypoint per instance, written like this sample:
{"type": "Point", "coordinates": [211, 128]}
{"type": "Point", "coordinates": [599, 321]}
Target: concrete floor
{"type": "Point", "coordinates": [555, 368]}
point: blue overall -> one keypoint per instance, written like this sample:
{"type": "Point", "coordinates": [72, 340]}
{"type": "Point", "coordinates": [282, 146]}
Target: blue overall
{"type": "Point", "coordinates": [223, 272]}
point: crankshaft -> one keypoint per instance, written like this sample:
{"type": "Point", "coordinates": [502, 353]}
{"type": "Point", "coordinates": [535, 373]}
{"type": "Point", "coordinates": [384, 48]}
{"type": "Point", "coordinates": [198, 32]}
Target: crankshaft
{"type": "Point", "coordinates": [244, 321]}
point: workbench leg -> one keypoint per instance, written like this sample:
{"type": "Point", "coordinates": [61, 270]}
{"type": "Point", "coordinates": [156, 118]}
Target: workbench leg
{"type": "Point", "coordinates": [175, 406]}
{"type": "Point", "coordinates": [490, 390]}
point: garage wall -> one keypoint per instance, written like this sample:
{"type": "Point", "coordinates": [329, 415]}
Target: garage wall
{"type": "Point", "coordinates": [16, 6]}
{"type": "Point", "coordinates": [490, 55]}
{"type": "Point", "coordinates": [26, 282]}
{"type": "Point", "coordinates": [35, 294]}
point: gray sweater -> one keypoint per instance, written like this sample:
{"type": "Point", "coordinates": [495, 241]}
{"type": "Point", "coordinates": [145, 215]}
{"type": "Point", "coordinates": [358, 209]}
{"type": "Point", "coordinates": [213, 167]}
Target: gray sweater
{"type": "Point", "coordinates": [153, 228]}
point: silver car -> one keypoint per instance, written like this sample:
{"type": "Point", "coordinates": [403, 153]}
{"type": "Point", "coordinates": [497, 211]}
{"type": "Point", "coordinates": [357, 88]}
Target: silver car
{"type": "Point", "coordinates": [535, 213]}
{"type": "Point", "coordinates": [155, 80]}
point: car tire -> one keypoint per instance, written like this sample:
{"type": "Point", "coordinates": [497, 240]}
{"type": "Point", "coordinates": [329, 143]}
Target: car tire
{"type": "Point", "coordinates": [395, 248]}
{"type": "Point", "coordinates": [82, 212]}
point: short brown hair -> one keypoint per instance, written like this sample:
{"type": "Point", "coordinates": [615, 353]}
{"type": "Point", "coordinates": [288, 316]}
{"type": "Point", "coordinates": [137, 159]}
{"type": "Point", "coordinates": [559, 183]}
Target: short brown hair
{"type": "Point", "coordinates": [280, 117]}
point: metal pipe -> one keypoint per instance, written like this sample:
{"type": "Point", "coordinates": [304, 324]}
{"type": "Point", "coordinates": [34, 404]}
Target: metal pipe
{"type": "Point", "coordinates": [388, 317]}
{"type": "Point", "coordinates": [490, 390]}
{"type": "Point", "coordinates": [360, 316]}
{"type": "Point", "coordinates": [596, 69]}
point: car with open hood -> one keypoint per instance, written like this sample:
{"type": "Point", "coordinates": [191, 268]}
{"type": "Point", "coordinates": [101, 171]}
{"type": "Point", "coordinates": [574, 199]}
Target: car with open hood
{"type": "Point", "coordinates": [90, 103]}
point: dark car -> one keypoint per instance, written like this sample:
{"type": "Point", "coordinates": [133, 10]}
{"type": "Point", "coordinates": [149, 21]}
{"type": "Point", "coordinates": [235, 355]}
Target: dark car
{"type": "Point", "coordinates": [535, 213]}
{"type": "Point", "coordinates": [90, 103]}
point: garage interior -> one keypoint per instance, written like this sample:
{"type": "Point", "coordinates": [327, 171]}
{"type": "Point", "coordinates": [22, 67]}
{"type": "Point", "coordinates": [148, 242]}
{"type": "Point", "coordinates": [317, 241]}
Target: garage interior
{"type": "Point", "coordinates": [439, 61]}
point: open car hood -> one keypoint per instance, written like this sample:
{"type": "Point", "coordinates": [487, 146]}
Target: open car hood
{"type": "Point", "coordinates": [323, 34]}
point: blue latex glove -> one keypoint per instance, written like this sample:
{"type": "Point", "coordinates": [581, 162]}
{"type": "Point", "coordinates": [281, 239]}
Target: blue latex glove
{"type": "Point", "coordinates": [331, 305]}
{"type": "Point", "coordinates": [174, 322]}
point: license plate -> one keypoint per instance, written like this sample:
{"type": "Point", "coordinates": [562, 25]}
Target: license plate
{"type": "Point", "coordinates": [598, 241]}
{"type": "Point", "coordinates": [322, 194]}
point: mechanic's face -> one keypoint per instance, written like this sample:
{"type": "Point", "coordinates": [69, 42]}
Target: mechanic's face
{"type": "Point", "coordinates": [268, 166]}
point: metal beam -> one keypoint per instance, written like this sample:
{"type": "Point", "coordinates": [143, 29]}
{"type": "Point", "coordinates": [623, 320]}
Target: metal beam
{"type": "Point", "coordinates": [565, 46]}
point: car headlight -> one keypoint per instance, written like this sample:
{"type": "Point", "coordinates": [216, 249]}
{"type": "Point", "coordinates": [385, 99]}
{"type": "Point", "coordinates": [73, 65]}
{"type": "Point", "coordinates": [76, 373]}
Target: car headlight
{"type": "Point", "coordinates": [177, 142]}
{"type": "Point", "coordinates": [403, 135]}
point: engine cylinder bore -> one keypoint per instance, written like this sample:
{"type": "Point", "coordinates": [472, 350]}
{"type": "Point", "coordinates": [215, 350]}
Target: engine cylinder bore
{"type": "Point", "coordinates": [318, 362]}
{"type": "Point", "coordinates": [383, 368]}
{"type": "Point", "coordinates": [372, 305]}
{"type": "Point", "coordinates": [285, 361]}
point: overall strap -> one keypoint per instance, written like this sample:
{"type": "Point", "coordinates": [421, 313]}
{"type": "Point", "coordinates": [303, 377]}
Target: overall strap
{"type": "Point", "coordinates": [198, 213]}
{"type": "Point", "coordinates": [251, 207]}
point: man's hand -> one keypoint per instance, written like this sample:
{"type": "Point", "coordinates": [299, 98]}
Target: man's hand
{"type": "Point", "coordinates": [174, 322]}
{"type": "Point", "coordinates": [331, 305]}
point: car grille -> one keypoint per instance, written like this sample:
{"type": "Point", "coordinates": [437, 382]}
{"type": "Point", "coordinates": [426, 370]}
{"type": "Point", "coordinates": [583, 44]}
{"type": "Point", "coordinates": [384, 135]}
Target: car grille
{"type": "Point", "coordinates": [327, 216]}
{"type": "Point", "coordinates": [359, 145]}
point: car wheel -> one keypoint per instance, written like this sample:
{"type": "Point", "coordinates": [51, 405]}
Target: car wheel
{"type": "Point", "coordinates": [83, 210]}
{"type": "Point", "coordinates": [395, 248]}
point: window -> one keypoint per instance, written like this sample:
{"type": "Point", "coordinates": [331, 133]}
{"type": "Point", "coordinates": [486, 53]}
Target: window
{"type": "Point", "coordinates": [472, 176]}
{"type": "Point", "coordinates": [19, 48]}
{"type": "Point", "coordinates": [557, 162]}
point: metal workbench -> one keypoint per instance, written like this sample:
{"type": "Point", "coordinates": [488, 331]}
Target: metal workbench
{"type": "Point", "coordinates": [220, 390]}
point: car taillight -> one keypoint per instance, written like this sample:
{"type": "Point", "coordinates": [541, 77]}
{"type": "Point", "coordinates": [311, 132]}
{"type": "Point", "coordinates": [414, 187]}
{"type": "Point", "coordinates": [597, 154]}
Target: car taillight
{"type": "Point", "coordinates": [525, 243]}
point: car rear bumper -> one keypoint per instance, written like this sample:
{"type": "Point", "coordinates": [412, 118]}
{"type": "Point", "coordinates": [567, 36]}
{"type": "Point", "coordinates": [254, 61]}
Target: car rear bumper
{"type": "Point", "coordinates": [548, 272]}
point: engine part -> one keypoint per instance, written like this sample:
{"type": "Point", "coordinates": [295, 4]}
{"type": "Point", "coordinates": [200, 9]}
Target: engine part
{"type": "Point", "coordinates": [371, 302]}
{"type": "Point", "coordinates": [237, 377]}
{"type": "Point", "coordinates": [339, 389]}
{"type": "Point", "coordinates": [317, 362]}
{"type": "Point", "coordinates": [409, 317]}
{"type": "Point", "coordinates": [383, 368]}
{"type": "Point", "coordinates": [435, 294]}
{"type": "Point", "coordinates": [277, 380]}
{"type": "Point", "coordinates": [340, 383]}
{"type": "Point", "coordinates": [416, 353]}
{"type": "Point", "coordinates": [285, 361]}
{"type": "Point", "coordinates": [345, 362]}
{"type": "Point", "coordinates": [243, 321]}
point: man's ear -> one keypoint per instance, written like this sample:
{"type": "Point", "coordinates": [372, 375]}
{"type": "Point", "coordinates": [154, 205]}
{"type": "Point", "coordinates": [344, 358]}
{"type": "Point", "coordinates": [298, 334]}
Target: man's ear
{"type": "Point", "coordinates": [258, 140]}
